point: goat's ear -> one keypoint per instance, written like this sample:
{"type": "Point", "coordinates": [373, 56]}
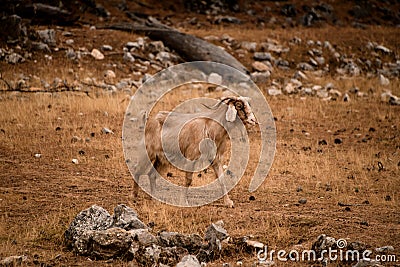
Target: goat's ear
{"type": "Point", "coordinates": [231, 113]}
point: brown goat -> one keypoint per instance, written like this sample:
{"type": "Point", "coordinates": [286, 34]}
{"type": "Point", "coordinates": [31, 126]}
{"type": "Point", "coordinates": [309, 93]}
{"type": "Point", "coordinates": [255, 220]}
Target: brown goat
{"type": "Point", "coordinates": [197, 127]}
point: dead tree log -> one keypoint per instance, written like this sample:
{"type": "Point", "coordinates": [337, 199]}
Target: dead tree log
{"type": "Point", "coordinates": [189, 47]}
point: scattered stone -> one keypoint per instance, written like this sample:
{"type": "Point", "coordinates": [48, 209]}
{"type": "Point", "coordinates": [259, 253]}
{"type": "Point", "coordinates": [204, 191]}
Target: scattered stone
{"type": "Point", "coordinates": [260, 77]}
{"type": "Point", "coordinates": [109, 77]}
{"type": "Point", "coordinates": [323, 243]}
{"type": "Point", "coordinates": [346, 98]}
{"type": "Point", "coordinates": [385, 249]}
{"type": "Point", "coordinates": [262, 56]}
{"type": "Point", "coordinates": [106, 48]}
{"type": "Point", "coordinates": [216, 233]}
{"type": "Point", "coordinates": [289, 88]}
{"type": "Point", "coordinates": [259, 66]}
{"type": "Point", "coordinates": [249, 46]}
{"type": "Point", "coordinates": [69, 41]}
{"type": "Point", "coordinates": [300, 75]}
{"type": "Point", "coordinates": [48, 36]}
{"type": "Point", "coordinates": [383, 80]}
{"type": "Point", "coordinates": [274, 92]}
{"type": "Point", "coordinates": [128, 57]}
{"type": "Point", "coordinates": [383, 49]}
{"type": "Point", "coordinates": [335, 93]}
{"type": "Point", "coordinates": [302, 201]}
{"type": "Point", "coordinates": [305, 66]}
{"type": "Point", "coordinates": [126, 218]}
{"type": "Point", "coordinates": [75, 161]}
{"type": "Point", "coordinates": [38, 155]}
{"type": "Point", "coordinates": [14, 58]}
{"type": "Point", "coordinates": [189, 261]}
{"type": "Point", "coordinates": [97, 54]}
{"type": "Point", "coordinates": [106, 131]}
{"type": "Point", "coordinates": [254, 244]}
{"type": "Point", "coordinates": [39, 46]}
{"type": "Point", "coordinates": [155, 47]}
{"type": "Point", "coordinates": [13, 261]}
{"type": "Point", "coordinates": [388, 97]}
{"type": "Point", "coordinates": [75, 139]}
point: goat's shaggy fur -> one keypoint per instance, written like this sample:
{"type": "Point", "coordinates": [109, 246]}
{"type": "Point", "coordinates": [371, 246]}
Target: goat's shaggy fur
{"type": "Point", "coordinates": [198, 127]}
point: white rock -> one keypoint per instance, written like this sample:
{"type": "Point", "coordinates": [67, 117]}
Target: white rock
{"type": "Point", "coordinates": [75, 161]}
{"type": "Point", "coordinates": [335, 92]}
{"type": "Point", "coordinates": [69, 41]}
{"type": "Point", "coordinates": [109, 76]}
{"type": "Point", "coordinates": [249, 46]}
{"type": "Point", "coordinates": [163, 56]}
{"type": "Point", "coordinates": [128, 57]}
{"type": "Point", "coordinates": [106, 131]}
{"type": "Point", "coordinates": [346, 98]}
{"type": "Point", "coordinates": [215, 78]}
{"type": "Point", "coordinates": [317, 87]}
{"type": "Point", "coordinates": [259, 66]}
{"type": "Point", "coordinates": [106, 48]}
{"type": "Point", "coordinates": [260, 77]}
{"type": "Point", "coordinates": [289, 88]}
{"type": "Point", "coordinates": [383, 80]}
{"type": "Point", "coordinates": [322, 94]}
{"type": "Point", "coordinates": [38, 155]}
{"type": "Point", "coordinates": [300, 75]}
{"type": "Point", "coordinates": [383, 49]}
{"type": "Point", "coordinates": [97, 54]}
{"type": "Point", "coordinates": [273, 91]}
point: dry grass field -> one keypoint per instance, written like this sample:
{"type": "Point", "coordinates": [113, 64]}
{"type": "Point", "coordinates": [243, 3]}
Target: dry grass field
{"type": "Point", "coordinates": [39, 196]}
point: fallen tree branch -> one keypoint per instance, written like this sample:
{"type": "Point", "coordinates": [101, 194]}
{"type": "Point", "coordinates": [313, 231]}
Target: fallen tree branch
{"type": "Point", "coordinates": [189, 47]}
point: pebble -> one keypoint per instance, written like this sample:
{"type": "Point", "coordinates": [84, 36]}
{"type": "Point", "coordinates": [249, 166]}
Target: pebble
{"type": "Point", "coordinates": [259, 66]}
{"type": "Point", "coordinates": [106, 48]}
{"type": "Point", "coordinates": [107, 131]}
{"type": "Point", "coordinates": [69, 41]}
{"type": "Point", "coordinates": [75, 161]}
{"type": "Point", "coordinates": [97, 54]}
{"type": "Point", "coordinates": [274, 91]}
{"type": "Point", "coordinates": [303, 201]}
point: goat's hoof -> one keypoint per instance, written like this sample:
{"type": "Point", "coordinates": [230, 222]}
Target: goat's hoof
{"type": "Point", "coordinates": [229, 203]}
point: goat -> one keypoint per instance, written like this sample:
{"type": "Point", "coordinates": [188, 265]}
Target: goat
{"type": "Point", "coordinates": [201, 125]}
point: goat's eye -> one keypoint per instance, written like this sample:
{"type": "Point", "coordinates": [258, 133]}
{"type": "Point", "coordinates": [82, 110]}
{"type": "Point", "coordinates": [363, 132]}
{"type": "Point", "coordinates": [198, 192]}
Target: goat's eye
{"type": "Point", "coordinates": [239, 105]}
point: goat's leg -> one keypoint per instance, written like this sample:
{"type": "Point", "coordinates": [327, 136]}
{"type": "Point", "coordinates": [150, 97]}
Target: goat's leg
{"type": "Point", "coordinates": [188, 182]}
{"type": "Point", "coordinates": [156, 168]}
{"type": "Point", "coordinates": [219, 173]}
{"type": "Point", "coordinates": [136, 185]}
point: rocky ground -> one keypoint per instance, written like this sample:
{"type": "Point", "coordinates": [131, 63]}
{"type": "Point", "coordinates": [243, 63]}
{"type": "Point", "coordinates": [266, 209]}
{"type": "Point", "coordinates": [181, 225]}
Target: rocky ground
{"type": "Point", "coordinates": [330, 73]}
